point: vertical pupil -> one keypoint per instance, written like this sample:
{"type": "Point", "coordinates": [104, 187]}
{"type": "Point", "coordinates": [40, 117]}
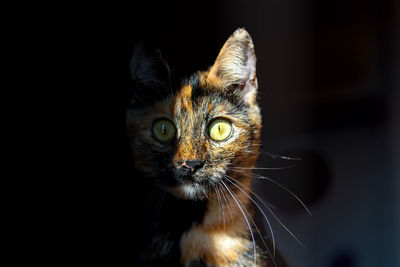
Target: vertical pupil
{"type": "Point", "coordinates": [219, 128]}
{"type": "Point", "coordinates": [163, 129]}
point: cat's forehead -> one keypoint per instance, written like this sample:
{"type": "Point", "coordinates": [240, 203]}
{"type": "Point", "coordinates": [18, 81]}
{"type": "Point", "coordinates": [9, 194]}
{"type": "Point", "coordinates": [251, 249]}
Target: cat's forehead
{"type": "Point", "coordinates": [197, 95]}
{"type": "Point", "coordinates": [194, 98]}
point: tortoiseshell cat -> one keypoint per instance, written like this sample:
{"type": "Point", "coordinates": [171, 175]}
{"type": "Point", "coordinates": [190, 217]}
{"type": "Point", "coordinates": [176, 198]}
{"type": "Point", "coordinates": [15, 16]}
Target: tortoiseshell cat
{"type": "Point", "coordinates": [189, 139]}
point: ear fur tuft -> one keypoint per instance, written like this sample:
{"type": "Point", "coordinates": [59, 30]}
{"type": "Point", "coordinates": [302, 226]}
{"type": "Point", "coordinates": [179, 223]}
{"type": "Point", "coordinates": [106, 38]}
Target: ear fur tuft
{"type": "Point", "coordinates": [236, 66]}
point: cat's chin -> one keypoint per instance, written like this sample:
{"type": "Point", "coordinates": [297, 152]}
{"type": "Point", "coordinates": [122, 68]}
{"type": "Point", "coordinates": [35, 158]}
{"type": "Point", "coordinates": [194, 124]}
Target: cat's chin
{"type": "Point", "coordinates": [189, 190]}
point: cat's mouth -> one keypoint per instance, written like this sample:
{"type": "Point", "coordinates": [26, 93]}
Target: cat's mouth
{"type": "Point", "coordinates": [193, 186]}
{"type": "Point", "coordinates": [189, 189]}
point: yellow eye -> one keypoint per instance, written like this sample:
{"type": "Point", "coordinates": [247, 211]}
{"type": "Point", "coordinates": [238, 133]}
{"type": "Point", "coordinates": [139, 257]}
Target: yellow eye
{"type": "Point", "coordinates": [220, 129]}
{"type": "Point", "coordinates": [164, 130]}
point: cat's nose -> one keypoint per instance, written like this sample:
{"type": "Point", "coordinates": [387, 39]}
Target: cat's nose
{"type": "Point", "coordinates": [191, 166]}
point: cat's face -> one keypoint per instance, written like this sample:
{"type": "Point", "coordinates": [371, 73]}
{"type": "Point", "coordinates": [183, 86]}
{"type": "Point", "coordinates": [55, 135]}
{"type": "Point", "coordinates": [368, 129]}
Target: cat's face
{"type": "Point", "coordinates": [187, 138]}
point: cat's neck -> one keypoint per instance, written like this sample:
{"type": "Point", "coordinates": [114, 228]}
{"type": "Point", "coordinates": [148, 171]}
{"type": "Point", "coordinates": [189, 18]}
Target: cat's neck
{"type": "Point", "coordinates": [225, 209]}
{"type": "Point", "coordinates": [226, 221]}
{"type": "Point", "coordinates": [228, 207]}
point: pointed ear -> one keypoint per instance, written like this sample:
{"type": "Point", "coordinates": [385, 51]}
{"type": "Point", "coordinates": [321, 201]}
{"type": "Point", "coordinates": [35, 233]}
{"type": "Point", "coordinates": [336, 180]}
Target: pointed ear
{"type": "Point", "coordinates": [150, 74]}
{"type": "Point", "coordinates": [235, 66]}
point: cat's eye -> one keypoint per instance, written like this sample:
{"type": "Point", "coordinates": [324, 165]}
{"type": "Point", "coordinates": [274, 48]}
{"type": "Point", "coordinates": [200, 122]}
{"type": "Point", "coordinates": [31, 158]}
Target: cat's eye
{"type": "Point", "coordinates": [220, 129]}
{"type": "Point", "coordinates": [164, 131]}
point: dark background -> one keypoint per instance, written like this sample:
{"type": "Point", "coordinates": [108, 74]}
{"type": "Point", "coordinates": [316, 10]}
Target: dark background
{"type": "Point", "coordinates": [328, 74]}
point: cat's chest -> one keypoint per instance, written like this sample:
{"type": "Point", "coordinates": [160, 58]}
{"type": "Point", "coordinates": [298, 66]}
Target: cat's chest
{"type": "Point", "coordinates": [168, 226]}
{"type": "Point", "coordinates": [197, 247]}
{"type": "Point", "coordinates": [188, 241]}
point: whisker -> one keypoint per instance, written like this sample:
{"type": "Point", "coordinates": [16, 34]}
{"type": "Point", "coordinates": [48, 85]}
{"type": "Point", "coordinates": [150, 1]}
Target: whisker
{"type": "Point", "coordinates": [215, 189]}
{"type": "Point", "coordinates": [274, 156]}
{"type": "Point", "coordinates": [205, 193]}
{"type": "Point", "coordinates": [284, 188]}
{"type": "Point", "coordinates": [276, 217]}
{"type": "Point", "coordinates": [258, 230]}
{"type": "Point", "coordinates": [265, 245]}
{"type": "Point", "coordinates": [272, 168]}
{"type": "Point", "coordinates": [225, 200]}
{"type": "Point", "coordinates": [247, 221]}
{"type": "Point", "coordinates": [230, 179]}
{"type": "Point", "coordinates": [221, 205]}
{"type": "Point", "coordinates": [280, 222]}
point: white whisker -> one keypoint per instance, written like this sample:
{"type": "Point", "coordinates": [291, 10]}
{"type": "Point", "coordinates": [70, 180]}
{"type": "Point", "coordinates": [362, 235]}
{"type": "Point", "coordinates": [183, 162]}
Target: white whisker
{"type": "Point", "coordinates": [284, 188]}
{"type": "Point", "coordinates": [274, 156]}
{"type": "Point", "coordinates": [272, 168]}
{"type": "Point", "coordinates": [225, 200]}
{"type": "Point", "coordinates": [248, 224]}
{"type": "Point", "coordinates": [276, 218]}
{"type": "Point", "coordinates": [230, 179]}
{"type": "Point", "coordinates": [220, 204]}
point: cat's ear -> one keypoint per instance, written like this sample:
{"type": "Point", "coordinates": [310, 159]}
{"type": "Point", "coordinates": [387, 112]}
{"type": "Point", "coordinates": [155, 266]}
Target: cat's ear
{"type": "Point", "coordinates": [235, 66]}
{"type": "Point", "coordinates": [149, 73]}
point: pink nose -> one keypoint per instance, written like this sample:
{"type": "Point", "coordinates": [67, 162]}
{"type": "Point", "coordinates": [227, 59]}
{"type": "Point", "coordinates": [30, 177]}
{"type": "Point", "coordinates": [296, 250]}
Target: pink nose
{"type": "Point", "coordinates": [192, 165]}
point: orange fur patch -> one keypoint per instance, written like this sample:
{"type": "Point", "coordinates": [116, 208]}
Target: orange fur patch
{"type": "Point", "coordinates": [216, 248]}
{"type": "Point", "coordinates": [185, 96]}
{"type": "Point", "coordinates": [218, 241]}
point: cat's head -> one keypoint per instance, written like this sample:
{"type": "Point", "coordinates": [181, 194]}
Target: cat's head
{"type": "Point", "coordinates": [187, 136]}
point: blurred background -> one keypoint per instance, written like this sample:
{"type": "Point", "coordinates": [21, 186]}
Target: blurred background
{"type": "Point", "coordinates": [329, 82]}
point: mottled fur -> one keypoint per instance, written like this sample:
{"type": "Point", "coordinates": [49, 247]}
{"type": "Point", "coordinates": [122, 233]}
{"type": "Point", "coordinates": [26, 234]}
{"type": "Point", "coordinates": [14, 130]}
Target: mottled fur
{"type": "Point", "coordinates": [227, 90]}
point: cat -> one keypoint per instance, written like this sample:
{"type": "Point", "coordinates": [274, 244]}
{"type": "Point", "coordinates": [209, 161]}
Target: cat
{"type": "Point", "coordinates": [191, 141]}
